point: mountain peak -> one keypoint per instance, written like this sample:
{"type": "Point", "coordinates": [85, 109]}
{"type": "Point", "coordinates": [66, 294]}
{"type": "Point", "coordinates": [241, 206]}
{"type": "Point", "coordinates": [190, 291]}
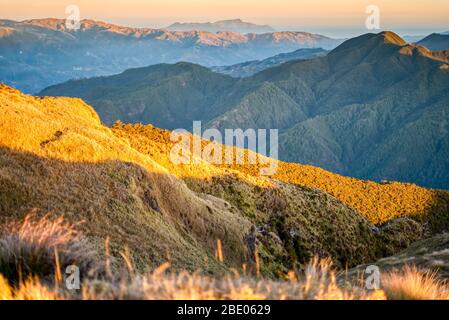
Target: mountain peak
{"type": "Point", "coordinates": [238, 20]}
{"type": "Point", "coordinates": [236, 25]}
{"type": "Point", "coordinates": [392, 38]}
{"type": "Point", "coordinates": [370, 41]}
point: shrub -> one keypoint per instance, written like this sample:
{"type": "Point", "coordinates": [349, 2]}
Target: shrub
{"type": "Point", "coordinates": [398, 234]}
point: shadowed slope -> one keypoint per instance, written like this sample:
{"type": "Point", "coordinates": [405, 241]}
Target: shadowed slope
{"type": "Point", "coordinates": [436, 42]}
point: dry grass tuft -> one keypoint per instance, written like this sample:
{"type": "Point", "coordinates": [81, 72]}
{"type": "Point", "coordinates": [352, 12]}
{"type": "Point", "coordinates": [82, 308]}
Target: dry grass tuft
{"type": "Point", "coordinates": [34, 246]}
{"type": "Point", "coordinates": [33, 289]}
{"type": "Point", "coordinates": [413, 284]}
{"type": "Point", "coordinates": [317, 283]}
{"type": "Point", "coordinates": [5, 289]}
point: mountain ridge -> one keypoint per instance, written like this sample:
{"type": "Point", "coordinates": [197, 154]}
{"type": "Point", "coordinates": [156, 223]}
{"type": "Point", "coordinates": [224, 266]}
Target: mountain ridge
{"type": "Point", "coordinates": [236, 25]}
{"type": "Point", "coordinates": [328, 109]}
{"type": "Point", "coordinates": [250, 68]}
{"type": "Point", "coordinates": [50, 53]}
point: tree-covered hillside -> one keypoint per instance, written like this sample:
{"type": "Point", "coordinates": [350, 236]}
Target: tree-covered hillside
{"type": "Point", "coordinates": [375, 107]}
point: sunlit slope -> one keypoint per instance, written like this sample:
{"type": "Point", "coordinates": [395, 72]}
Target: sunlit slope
{"type": "Point", "coordinates": [377, 202]}
{"type": "Point", "coordinates": [56, 156]}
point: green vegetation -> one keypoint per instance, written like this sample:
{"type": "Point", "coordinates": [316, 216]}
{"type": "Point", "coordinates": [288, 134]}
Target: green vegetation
{"type": "Point", "coordinates": [373, 108]}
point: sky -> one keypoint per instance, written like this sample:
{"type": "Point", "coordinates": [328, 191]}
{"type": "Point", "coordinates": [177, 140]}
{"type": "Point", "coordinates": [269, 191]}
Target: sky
{"type": "Point", "coordinates": [330, 17]}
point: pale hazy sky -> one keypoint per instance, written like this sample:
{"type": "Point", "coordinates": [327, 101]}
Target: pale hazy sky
{"type": "Point", "coordinates": [333, 17]}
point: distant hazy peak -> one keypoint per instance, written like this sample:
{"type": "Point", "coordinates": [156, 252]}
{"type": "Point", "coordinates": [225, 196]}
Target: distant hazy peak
{"type": "Point", "coordinates": [230, 21]}
{"type": "Point", "coordinates": [368, 42]}
{"type": "Point", "coordinates": [203, 37]}
{"type": "Point", "coordinates": [85, 24]}
{"type": "Point", "coordinates": [236, 25]}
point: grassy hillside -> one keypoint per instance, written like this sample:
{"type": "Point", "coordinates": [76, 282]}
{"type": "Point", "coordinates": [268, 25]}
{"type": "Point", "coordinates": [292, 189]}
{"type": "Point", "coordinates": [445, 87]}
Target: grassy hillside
{"type": "Point", "coordinates": [57, 157]}
{"type": "Point", "coordinates": [379, 203]}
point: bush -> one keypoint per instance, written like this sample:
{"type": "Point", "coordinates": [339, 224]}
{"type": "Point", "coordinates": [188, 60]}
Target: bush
{"type": "Point", "coordinates": [399, 234]}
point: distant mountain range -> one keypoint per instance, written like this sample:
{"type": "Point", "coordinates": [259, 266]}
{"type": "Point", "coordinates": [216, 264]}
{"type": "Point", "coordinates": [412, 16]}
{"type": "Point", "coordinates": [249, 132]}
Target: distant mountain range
{"type": "Point", "coordinates": [235, 25]}
{"type": "Point", "coordinates": [436, 42]}
{"type": "Point", "coordinates": [374, 108]}
{"type": "Point", "coordinates": [250, 68]}
{"type": "Point", "coordinates": [413, 39]}
{"type": "Point", "coordinates": [37, 53]}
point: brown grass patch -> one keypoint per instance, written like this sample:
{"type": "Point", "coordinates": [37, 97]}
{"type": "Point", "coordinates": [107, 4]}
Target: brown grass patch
{"type": "Point", "coordinates": [35, 245]}
{"type": "Point", "coordinates": [411, 283]}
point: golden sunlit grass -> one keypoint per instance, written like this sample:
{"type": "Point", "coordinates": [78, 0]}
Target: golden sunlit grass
{"type": "Point", "coordinates": [58, 157]}
{"type": "Point", "coordinates": [317, 283]}
{"type": "Point", "coordinates": [31, 247]}
{"type": "Point", "coordinates": [39, 237]}
{"type": "Point", "coordinates": [413, 284]}
{"type": "Point", "coordinates": [377, 202]}
{"type": "Point", "coordinates": [33, 289]}
{"type": "Point", "coordinates": [30, 289]}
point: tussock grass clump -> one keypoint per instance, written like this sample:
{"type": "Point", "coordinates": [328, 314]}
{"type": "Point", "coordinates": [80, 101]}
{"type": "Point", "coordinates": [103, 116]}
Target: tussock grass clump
{"type": "Point", "coordinates": [30, 289]}
{"type": "Point", "coordinates": [38, 246]}
{"type": "Point", "coordinates": [318, 282]}
{"type": "Point", "coordinates": [5, 289]}
{"type": "Point", "coordinates": [413, 284]}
